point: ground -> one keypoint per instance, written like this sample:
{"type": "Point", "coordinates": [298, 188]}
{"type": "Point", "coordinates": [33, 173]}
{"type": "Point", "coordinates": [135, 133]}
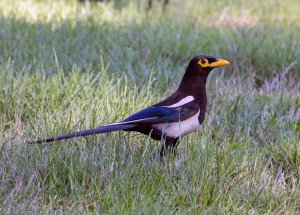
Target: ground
{"type": "Point", "coordinates": [66, 66]}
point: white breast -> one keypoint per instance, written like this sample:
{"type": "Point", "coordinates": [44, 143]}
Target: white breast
{"type": "Point", "coordinates": [177, 129]}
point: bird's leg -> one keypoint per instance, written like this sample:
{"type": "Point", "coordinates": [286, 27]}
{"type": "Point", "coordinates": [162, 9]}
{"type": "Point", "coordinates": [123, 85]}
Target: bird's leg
{"type": "Point", "coordinates": [162, 148]}
{"type": "Point", "coordinates": [173, 147]}
{"type": "Point", "coordinates": [169, 146]}
{"type": "Point", "coordinates": [149, 5]}
{"type": "Point", "coordinates": [165, 4]}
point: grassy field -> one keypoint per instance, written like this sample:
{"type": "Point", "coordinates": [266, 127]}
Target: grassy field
{"type": "Point", "coordinates": [66, 66]}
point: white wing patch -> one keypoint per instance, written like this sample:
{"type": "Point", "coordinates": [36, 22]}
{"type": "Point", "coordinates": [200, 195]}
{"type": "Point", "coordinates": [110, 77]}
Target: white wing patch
{"type": "Point", "coordinates": [177, 129]}
{"type": "Point", "coordinates": [182, 102]}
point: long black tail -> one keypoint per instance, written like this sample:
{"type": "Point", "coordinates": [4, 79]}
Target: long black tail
{"type": "Point", "coordinates": [99, 130]}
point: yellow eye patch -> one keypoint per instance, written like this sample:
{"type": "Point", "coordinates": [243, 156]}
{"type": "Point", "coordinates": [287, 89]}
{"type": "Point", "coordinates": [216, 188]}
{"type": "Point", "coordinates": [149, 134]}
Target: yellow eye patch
{"type": "Point", "coordinates": [203, 62]}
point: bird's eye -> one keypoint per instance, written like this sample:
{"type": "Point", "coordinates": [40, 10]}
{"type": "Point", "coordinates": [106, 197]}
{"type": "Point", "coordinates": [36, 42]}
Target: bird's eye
{"type": "Point", "coordinates": [203, 62]}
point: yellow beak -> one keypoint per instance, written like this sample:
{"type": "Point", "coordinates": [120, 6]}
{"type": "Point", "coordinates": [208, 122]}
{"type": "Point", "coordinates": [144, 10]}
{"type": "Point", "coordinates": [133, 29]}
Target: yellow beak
{"type": "Point", "coordinates": [218, 63]}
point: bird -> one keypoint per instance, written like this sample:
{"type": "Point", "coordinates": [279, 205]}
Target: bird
{"type": "Point", "coordinates": [169, 120]}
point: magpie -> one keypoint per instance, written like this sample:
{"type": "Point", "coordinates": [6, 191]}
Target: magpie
{"type": "Point", "coordinates": [178, 115]}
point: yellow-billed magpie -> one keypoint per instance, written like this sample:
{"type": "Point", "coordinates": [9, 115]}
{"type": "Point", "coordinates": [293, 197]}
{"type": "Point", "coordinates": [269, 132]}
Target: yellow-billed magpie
{"type": "Point", "coordinates": [178, 115]}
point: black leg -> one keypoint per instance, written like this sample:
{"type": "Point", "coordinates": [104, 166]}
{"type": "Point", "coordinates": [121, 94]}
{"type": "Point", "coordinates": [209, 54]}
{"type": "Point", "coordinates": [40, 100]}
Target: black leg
{"type": "Point", "coordinates": [149, 5]}
{"type": "Point", "coordinates": [169, 146]}
{"type": "Point", "coordinates": [173, 147]}
{"type": "Point", "coordinates": [165, 4]}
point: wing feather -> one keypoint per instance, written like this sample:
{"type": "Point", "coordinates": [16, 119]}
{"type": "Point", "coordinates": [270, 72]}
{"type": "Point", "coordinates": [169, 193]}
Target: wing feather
{"type": "Point", "coordinates": [162, 114]}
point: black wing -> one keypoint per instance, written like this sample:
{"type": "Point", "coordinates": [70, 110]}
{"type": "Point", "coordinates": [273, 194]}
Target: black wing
{"type": "Point", "coordinates": [163, 114]}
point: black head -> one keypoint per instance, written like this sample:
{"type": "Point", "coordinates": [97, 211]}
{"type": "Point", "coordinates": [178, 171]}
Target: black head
{"type": "Point", "coordinates": [194, 79]}
{"type": "Point", "coordinates": [202, 65]}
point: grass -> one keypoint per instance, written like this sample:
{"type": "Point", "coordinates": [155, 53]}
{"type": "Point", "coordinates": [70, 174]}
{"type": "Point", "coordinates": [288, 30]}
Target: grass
{"type": "Point", "coordinates": [67, 66]}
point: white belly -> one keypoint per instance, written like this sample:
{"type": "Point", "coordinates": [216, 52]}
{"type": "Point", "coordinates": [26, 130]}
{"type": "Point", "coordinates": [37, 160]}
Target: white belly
{"type": "Point", "coordinates": [177, 129]}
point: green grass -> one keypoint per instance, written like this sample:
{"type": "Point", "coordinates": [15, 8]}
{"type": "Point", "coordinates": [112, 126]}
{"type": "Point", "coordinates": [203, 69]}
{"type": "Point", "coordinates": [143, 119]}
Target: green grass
{"type": "Point", "coordinates": [66, 66]}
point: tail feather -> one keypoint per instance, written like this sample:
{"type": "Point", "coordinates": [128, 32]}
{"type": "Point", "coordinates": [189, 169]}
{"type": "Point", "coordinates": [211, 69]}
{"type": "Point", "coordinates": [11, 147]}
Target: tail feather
{"type": "Point", "coordinates": [99, 130]}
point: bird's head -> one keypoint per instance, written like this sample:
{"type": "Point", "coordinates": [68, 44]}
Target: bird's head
{"type": "Point", "coordinates": [202, 65]}
{"type": "Point", "coordinates": [197, 71]}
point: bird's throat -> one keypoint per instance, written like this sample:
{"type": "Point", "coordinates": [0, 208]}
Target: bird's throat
{"type": "Point", "coordinates": [195, 85]}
